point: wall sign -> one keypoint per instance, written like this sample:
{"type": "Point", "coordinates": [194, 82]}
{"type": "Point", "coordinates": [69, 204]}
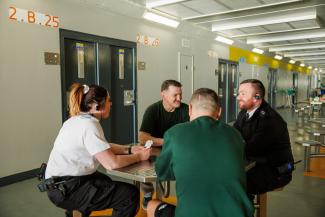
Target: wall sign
{"type": "Point", "coordinates": [33, 17]}
{"type": "Point", "coordinates": [147, 40]}
{"type": "Point", "coordinates": [121, 63]}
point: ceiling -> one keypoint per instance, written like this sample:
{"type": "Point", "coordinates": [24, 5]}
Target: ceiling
{"type": "Point", "coordinates": [294, 29]}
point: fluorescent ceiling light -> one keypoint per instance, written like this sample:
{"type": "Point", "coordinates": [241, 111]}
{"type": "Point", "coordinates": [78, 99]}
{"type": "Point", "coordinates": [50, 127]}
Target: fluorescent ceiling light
{"type": "Point", "coordinates": [306, 34]}
{"type": "Point", "coordinates": [301, 54]}
{"type": "Point", "coordinates": [302, 64]}
{"type": "Point", "coordinates": [289, 44]}
{"type": "Point", "coordinates": [316, 69]}
{"type": "Point", "coordinates": [320, 70]}
{"type": "Point", "coordinates": [256, 50]}
{"type": "Point", "coordinates": [241, 9]}
{"type": "Point", "coordinates": [292, 61]}
{"type": "Point", "coordinates": [310, 67]}
{"type": "Point", "coordinates": [224, 40]}
{"type": "Point", "coordinates": [278, 57]}
{"type": "Point", "coordinates": [160, 19]}
{"type": "Point", "coordinates": [271, 32]}
{"type": "Point", "coordinates": [265, 19]}
{"type": "Point", "coordinates": [311, 58]}
{"type": "Point", "coordinates": [153, 4]}
{"type": "Point", "coordinates": [297, 47]}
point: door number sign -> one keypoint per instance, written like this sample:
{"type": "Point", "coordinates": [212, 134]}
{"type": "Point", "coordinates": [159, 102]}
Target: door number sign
{"type": "Point", "coordinates": [32, 17]}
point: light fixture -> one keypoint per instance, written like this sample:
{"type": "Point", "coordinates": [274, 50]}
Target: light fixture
{"type": "Point", "coordinates": [292, 61]}
{"type": "Point", "coordinates": [320, 70]}
{"type": "Point", "coordinates": [153, 4]}
{"type": "Point", "coordinates": [316, 69]}
{"type": "Point", "coordinates": [224, 40]}
{"type": "Point", "coordinates": [160, 19]}
{"type": "Point", "coordinates": [265, 19]}
{"type": "Point", "coordinates": [278, 57]}
{"type": "Point", "coordinates": [306, 34]}
{"type": "Point", "coordinates": [259, 51]}
{"type": "Point", "coordinates": [310, 67]}
{"type": "Point", "coordinates": [302, 64]}
{"type": "Point", "coordinates": [300, 54]}
{"type": "Point", "coordinates": [297, 47]}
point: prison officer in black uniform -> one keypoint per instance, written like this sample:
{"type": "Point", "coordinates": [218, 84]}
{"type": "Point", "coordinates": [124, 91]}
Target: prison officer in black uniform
{"type": "Point", "coordinates": [267, 140]}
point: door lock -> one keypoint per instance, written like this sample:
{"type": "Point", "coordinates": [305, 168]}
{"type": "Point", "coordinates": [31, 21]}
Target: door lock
{"type": "Point", "coordinates": [128, 97]}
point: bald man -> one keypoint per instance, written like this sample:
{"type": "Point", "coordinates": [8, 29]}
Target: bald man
{"type": "Point", "coordinates": [206, 158]}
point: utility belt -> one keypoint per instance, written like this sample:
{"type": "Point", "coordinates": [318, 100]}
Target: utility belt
{"type": "Point", "coordinates": [61, 183]}
{"type": "Point", "coordinates": [52, 184]}
{"type": "Point", "coordinates": [282, 169]}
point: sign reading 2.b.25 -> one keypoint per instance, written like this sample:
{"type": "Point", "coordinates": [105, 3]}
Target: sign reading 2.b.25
{"type": "Point", "coordinates": [32, 17]}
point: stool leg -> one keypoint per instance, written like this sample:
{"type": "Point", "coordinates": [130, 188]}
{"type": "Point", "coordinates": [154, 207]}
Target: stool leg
{"type": "Point", "coordinates": [307, 159]}
{"type": "Point", "coordinates": [261, 200]}
{"type": "Point", "coordinates": [76, 213]}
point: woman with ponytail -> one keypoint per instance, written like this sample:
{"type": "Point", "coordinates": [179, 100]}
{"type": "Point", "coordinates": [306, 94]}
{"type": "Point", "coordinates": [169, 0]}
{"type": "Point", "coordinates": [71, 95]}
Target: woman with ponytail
{"type": "Point", "coordinates": [77, 152]}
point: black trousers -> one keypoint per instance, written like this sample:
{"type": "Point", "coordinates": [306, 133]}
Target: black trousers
{"type": "Point", "coordinates": [96, 192]}
{"type": "Point", "coordinates": [263, 178]}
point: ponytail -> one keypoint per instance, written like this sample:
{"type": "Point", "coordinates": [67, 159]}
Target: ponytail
{"type": "Point", "coordinates": [75, 99]}
{"type": "Point", "coordinates": [82, 97]}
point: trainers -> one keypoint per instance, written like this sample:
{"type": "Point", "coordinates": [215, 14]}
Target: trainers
{"type": "Point", "coordinates": [145, 201]}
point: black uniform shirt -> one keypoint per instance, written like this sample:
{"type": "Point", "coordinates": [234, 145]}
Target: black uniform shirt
{"type": "Point", "coordinates": [266, 135]}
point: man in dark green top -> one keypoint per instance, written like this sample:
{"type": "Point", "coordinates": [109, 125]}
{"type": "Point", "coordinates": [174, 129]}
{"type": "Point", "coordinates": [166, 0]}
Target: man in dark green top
{"type": "Point", "coordinates": [158, 118]}
{"type": "Point", "coordinates": [206, 158]}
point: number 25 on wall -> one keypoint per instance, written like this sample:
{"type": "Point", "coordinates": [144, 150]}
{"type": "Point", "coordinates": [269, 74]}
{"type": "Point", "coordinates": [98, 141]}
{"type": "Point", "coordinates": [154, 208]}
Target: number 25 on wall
{"type": "Point", "coordinates": [28, 16]}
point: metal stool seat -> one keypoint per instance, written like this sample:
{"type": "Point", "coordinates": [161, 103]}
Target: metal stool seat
{"type": "Point", "coordinates": [307, 144]}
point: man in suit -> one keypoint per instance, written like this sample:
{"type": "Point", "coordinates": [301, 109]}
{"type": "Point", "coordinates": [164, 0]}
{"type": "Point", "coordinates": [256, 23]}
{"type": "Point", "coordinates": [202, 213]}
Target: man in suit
{"type": "Point", "coordinates": [206, 158]}
{"type": "Point", "coordinates": [267, 140]}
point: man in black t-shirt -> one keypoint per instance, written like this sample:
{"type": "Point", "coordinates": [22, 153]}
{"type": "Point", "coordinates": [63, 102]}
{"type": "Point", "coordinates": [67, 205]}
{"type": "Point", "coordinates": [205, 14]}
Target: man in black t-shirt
{"type": "Point", "coordinates": [164, 114]}
{"type": "Point", "coordinates": [158, 118]}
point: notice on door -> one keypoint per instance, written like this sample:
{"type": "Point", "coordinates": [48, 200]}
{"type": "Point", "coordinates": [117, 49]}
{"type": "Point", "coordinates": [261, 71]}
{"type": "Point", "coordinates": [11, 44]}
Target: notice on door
{"type": "Point", "coordinates": [81, 60]}
{"type": "Point", "coordinates": [121, 63]}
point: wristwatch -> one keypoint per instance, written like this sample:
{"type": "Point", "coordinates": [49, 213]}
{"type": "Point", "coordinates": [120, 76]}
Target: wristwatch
{"type": "Point", "coordinates": [130, 149]}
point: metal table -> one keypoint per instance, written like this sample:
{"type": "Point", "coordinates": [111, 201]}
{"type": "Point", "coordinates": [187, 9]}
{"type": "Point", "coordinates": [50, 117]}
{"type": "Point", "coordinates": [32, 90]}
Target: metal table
{"type": "Point", "coordinates": [144, 171]}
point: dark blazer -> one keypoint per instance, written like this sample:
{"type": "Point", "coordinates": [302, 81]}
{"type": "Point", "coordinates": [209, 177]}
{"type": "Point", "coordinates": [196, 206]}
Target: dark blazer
{"type": "Point", "coordinates": [267, 142]}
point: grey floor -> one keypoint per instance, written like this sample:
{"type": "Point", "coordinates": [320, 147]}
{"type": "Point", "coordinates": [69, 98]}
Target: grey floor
{"type": "Point", "coordinates": [303, 197]}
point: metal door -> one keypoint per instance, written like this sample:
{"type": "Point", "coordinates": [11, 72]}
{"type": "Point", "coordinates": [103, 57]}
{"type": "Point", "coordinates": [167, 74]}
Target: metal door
{"type": "Point", "coordinates": [186, 75]}
{"type": "Point", "coordinates": [227, 89]}
{"type": "Point", "coordinates": [295, 87]}
{"type": "Point", "coordinates": [79, 61]}
{"type": "Point", "coordinates": [272, 77]}
{"type": "Point", "coordinates": [89, 59]}
{"type": "Point", "coordinates": [222, 88]}
{"type": "Point", "coordinates": [232, 91]}
{"type": "Point", "coordinates": [123, 97]}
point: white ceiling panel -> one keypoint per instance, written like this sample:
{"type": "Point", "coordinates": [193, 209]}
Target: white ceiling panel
{"type": "Point", "coordinates": [317, 39]}
{"type": "Point", "coordinates": [178, 10]}
{"type": "Point", "coordinates": [239, 4]}
{"type": "Point", "coordinates": [232, 32]}
{"type": "Point", "coordinates": [274, 1]}
{"type": "Point", "coordinates": [278, 27]}
{"type": "Point", "coordinates": [305, 24]}
{"type": "Point", "coordinates": [206, 6]}
{"type": "Point", "coordinates": [253, 30]}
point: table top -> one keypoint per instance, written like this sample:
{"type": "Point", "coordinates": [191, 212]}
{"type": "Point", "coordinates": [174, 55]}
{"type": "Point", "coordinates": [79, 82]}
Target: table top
{"type": "Point", "coordinates": [144, 171]}
{"type": "Point", "coordinates": [317, 120]}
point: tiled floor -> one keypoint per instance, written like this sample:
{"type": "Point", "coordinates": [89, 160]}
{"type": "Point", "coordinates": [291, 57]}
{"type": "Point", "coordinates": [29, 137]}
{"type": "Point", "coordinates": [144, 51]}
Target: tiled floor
{"type": "Point", "coordinates": [303, 197]}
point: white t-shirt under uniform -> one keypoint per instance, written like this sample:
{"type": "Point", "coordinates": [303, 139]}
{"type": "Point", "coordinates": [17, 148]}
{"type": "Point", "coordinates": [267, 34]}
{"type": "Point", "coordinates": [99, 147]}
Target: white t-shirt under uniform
{"type": "Point", "coordinates": [80, 138]}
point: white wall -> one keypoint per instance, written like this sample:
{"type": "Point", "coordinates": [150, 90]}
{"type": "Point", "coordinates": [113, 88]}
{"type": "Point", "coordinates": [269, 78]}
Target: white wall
{"type": "Point", "coordinates": [30, 90]}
